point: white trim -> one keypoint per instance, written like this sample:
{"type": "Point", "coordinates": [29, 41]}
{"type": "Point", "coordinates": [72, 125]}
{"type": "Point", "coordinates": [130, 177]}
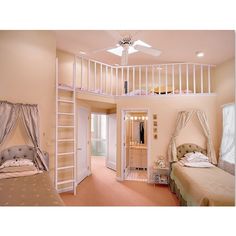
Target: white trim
{"type": "Point", "coordinates": [66, 189]}
{"type": "Point", "coordinates": [119, 178]}
{"type": "Point", "coordinates": [123, 130]}
{"type": "Point", "coordinates": [111, 165]}
{"type": "Point", "coordinates": [88, 158]}
{"type": "Point", "coordinates": [227, 104]}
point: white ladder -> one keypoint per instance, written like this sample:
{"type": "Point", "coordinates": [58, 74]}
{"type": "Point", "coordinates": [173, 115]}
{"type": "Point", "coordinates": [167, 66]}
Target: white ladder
{"type": "Point", "coordinates": [59, 168]}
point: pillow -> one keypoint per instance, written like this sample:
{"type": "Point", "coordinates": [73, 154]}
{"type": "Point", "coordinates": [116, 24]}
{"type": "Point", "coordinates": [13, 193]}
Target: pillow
{"type": "Point", "coordinates": [12, 169]}
{"type": "Point", "coordinates": [201, 164]}
{"type": "Point", "coordinates": [195, 157]}
{"type": "Point", "coordinates": [17, 162]}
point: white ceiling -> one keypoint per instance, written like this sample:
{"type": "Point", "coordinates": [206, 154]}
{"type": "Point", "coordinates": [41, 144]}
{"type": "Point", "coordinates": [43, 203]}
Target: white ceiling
{"type": "Point", "coordinates": [176, 45]}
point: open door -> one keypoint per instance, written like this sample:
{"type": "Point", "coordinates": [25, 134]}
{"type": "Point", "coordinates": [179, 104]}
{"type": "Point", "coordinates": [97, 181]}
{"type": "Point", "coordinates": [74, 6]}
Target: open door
{"type": "Point", "coordinates": [82, 143]}
{"type": "Point", "coordinates": [111, 142]}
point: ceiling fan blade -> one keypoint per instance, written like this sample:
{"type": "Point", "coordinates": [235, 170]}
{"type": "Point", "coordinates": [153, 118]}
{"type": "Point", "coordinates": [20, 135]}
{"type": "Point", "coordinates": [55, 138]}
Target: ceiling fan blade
{"type": "Point", "coordinates": [148, 50]}
{"type": "Point", "coordinates": [124, 57]}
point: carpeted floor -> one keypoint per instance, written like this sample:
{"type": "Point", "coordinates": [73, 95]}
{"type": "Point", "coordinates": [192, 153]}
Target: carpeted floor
{"type": "Point", "coordinates": [102, 189]}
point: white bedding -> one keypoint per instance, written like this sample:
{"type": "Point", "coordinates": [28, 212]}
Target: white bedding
{"type": "Point", "coordinates": [195, 159]}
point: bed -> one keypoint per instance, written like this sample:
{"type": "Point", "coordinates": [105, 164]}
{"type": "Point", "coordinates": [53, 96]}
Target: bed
{"type": "Point", "coordinates": [201, 186]}
{"type": "Point", "coordinates": [33, 190]}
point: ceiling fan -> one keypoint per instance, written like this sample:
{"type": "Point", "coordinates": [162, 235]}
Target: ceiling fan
{"type": "Point", "coordinates": [128, 45]}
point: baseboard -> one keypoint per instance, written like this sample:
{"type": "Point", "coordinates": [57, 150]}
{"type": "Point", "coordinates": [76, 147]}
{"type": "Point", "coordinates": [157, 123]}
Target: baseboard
{"type": "Point", "coordinates": [118, 178]}
{"type": "Point", "coordinates": [67, 189]}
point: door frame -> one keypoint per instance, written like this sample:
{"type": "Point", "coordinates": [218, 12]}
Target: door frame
{"type": "Point", "coordinates": [88, 141]}
{"type": "Point", "coordinates": [123, 137]}
{"type": "Point", "coordinates": [111, 167]}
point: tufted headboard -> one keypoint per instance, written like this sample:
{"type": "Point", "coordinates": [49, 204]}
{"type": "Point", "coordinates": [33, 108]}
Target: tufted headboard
{"type": "Point", "coordinates": [189, 147]}
{"type": "Point", "coordinates": [23, 151]}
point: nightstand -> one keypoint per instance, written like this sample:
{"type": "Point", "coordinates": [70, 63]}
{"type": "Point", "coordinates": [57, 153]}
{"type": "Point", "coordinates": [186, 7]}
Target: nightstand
{"type": "Point", "coordinates": [160, 175]}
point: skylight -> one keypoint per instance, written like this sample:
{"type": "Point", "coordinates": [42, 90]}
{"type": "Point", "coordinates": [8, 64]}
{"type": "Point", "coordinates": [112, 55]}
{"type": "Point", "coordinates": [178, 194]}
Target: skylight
{"type": "Point", "coordinates": [118, 50]}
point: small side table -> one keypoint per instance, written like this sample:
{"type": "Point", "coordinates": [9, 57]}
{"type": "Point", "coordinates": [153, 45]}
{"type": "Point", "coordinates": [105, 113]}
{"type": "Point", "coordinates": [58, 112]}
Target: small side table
{"type": "Point", "coordinates": [160, 175]}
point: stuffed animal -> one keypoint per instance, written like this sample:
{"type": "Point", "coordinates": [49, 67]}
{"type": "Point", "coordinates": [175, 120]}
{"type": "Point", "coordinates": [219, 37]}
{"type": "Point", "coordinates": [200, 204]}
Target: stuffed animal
{"type": "Point", "coordinates": [160, 163]}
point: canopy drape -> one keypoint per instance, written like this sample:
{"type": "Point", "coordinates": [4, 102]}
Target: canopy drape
{"type": "Point", "coordinates": [182, 120]}
{"type": "Point", "coordinates": [9, 114]}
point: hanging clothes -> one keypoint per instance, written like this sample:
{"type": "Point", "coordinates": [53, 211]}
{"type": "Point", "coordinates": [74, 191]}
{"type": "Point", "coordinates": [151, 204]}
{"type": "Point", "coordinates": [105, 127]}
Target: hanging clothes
{"type": "Point", "coordinates": [141, 132]}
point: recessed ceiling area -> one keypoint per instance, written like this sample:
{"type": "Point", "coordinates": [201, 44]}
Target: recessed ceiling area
{"type": "Point", "coordinates": [176, 45]}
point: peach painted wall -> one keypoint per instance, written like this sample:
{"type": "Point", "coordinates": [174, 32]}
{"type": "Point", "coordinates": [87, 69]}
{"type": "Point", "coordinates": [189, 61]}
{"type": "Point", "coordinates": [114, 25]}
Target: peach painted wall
{"type": "Point", "coordinates": [27, 75]}
{"type": "Point", "coordinates": [167, 107]}
{"type": "Point", "coordinates": [224, 85]}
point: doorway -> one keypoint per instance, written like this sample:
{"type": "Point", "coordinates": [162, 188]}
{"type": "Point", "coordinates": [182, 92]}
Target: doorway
{"type": "Point", "coordinates": [135, 145]}
{"type": "Point", "coordinates": [103, 139]}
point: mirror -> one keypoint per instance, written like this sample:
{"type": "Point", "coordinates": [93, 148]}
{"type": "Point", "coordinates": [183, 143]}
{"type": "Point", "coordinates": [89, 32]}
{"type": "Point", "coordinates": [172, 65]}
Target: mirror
{"type": "Point", "coordinates": [136, 128]}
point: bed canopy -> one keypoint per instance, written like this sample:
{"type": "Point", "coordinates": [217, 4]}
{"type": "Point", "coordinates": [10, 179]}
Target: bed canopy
{"type": "Point", "coordinates": [182, 119]}
{"type": "Point", "coordinates": [9, 114]}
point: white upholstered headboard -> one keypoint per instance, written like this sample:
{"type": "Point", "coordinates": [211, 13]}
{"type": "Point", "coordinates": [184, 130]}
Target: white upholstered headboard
{"type": "Point", "coordinates": [23, 151]}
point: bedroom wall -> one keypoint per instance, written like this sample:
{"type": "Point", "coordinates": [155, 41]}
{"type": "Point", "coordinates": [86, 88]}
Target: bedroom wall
{"type": "Point", "coordinates": [167, 109]}
{"type": "Point", "coordinates": [27, 75]}
{"type": "Point", "coordinates": [224, 85]}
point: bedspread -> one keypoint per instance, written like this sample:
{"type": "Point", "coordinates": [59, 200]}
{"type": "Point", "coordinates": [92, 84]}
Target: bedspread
{"type": "Point", "coordinates": [204, 186]}
{"type": "Point", "coordinates": [34, 190]}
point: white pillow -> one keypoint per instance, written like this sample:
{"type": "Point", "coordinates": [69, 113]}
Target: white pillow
{"type": "Point", "coordinates": [195, 157]}
{"type": "Point", "coordinates": [17, 162]}
{"type": "Point", "coordinates": [198, 164]}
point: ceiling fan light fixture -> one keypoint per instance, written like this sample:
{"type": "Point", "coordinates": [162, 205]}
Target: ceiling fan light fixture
{"type": "Point", "coordinates": [118, 49]}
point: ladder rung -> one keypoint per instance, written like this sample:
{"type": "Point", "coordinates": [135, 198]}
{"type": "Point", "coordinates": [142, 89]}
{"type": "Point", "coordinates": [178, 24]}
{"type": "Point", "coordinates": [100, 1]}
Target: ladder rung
{"type": "Point", "coordinates": [66, 126]}
{"type": "Point", "coordinates": [61, 87]}
{"type": "Point", "coordinates": [66, 101]}
{"type": "Point", "coordinates": [65, 182]}
{"type": "Point", "coordinates": [65, 140]}
{"type": "Point", "coordinates": [65, 113]}
{"type": "Point", "coordinates": [65, 153]}
{"type": "Point", "coordinates": [65, 167]}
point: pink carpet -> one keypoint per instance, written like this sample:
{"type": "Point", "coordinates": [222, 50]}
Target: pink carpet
{"type": "Point", "coordinates": [102, 189]}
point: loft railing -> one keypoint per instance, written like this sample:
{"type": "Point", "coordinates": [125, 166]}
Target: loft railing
{"type": "Point", "coordinates": [174, 78]}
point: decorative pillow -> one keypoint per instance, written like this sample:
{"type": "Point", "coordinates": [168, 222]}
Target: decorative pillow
{"type": "Point", "coordinates": [17, 169]}
{"type": "Point", "coordinates": [17, 162]}
{"type": "Point", "coordinates": [195, 157]}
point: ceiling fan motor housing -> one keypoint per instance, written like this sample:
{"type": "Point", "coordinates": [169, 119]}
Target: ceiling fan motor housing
{"type": "Point", "coordinates": [126, 42]}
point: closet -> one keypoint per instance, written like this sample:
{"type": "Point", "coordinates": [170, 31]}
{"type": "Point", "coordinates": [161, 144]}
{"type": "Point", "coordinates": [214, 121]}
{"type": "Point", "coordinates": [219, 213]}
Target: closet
{"type": "Point", "coordinates": [136, 145]}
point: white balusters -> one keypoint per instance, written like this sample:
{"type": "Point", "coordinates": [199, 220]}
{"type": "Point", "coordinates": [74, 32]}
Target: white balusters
{"type": "Point", "coordinates": [122, 80]}
{"type": "Point", "coordinates": [187, 78]}
{"type": "Point", "coordinates": [116, 80]}
{"type": "Point", "coordinates": [100, 79]}
{"type": "Point", "coordinates": [201, 78]}
{"type": "Point", "coordinates": [173, 79]}
{"type": "Point", "coordinates": [127, 80]}
{"type": "Point", "coordinates": [117, 84]}
{"type": "Point", "coordinates": [146, 78]}
{"type": "Point", "coordinates": [88, 75]}
{"type": "Point", "coordinates": [140, 80]}
{"type": "Point", "coordinates": [194, 78]}
{"type": "Point", "coordinates": [209, 79]}
{"type": "Point", "coordinates": [95, 76]}
{"type": "Point", "coordinates": [166, 78]}
{"type": "Point", "coordinates": [106, 77]}
{"type": "Point", "coordinates": [133, 78]}
{"type": "Point", "coordinates": [111, 82]}
{"type": "Point", "coordinates": [159, 79]}
{"type": "Point", "coordinates": [82, 74]}
{"type": "Point", "coordinates": [180, 79]}
{"type": "Point", "coordinates": [152, 80]}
